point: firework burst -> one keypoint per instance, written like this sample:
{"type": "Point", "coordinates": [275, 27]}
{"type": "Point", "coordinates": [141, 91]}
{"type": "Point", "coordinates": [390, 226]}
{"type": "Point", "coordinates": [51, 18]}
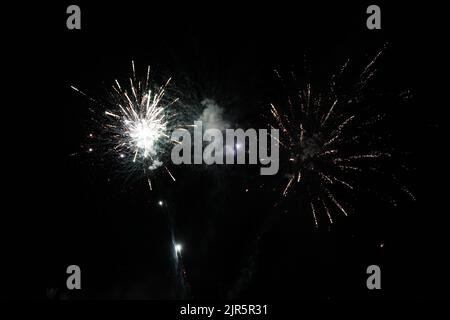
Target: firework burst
{"type": "Point", "coordinates": [135, 124]}
{"type": "Point", "coordinates": [329, 142]}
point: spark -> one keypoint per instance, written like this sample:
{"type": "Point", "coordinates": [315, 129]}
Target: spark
{"type": "Point", "coordinates": [149, 184]}
{"type": "Point", "coordinates": [327, 211]}
{"type": "Point", "coordinates": [170, 174]}
{"type": "Point", "coordinates": [313, 210]}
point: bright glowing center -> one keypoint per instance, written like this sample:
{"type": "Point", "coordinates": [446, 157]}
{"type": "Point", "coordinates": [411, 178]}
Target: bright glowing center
{"type": "Point", "coordinates": [144, 134]}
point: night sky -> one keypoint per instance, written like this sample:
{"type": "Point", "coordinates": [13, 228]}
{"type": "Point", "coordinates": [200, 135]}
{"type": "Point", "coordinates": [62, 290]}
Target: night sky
{"type": "Point", "coordinates": [236, 243]}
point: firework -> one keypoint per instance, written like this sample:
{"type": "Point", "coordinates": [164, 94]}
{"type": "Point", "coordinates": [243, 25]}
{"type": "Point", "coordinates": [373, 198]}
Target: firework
{"type": "Point", "coordinates": [329, 143]}
{"type": "Point", "coordinates": [135, 123]}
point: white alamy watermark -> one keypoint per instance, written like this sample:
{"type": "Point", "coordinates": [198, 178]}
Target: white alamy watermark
{"type": "Point", "coordinates": [229, 146]}
{"type": "Point", "coordinates": [73, 21]}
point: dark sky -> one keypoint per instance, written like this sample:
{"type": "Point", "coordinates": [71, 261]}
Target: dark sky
{"type": "Point", "coordinates": [82, 213]}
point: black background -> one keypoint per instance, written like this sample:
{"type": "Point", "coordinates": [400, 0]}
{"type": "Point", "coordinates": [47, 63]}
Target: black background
{"type": "Point", "coordinates": [68, 210]}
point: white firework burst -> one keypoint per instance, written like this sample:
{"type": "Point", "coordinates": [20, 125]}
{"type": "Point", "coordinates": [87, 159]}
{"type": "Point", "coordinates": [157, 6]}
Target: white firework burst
{"type": "Point", "coordinates": [137, 122]}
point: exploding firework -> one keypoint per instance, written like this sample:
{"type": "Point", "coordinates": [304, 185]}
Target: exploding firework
{"type": "Point", "coordinates": [135, 124]}
{"type": "Point", "coordinates": [330, 143]}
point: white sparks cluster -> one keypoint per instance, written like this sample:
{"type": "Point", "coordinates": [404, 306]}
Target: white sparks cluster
{"type": "Point", "coordinates": [136, 123]}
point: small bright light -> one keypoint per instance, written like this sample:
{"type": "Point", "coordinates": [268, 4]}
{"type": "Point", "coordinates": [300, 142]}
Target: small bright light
{"type": "Point", "coordinates": [122, 155]}
{"type": "Point", "coordinates": [90, 149]}
{"type": "Point", "coordinates": [160, 203]}
{"type": "Point", "coordinates": [238, 146]}
{"type": "Point", "coordinates": [178, 248]}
